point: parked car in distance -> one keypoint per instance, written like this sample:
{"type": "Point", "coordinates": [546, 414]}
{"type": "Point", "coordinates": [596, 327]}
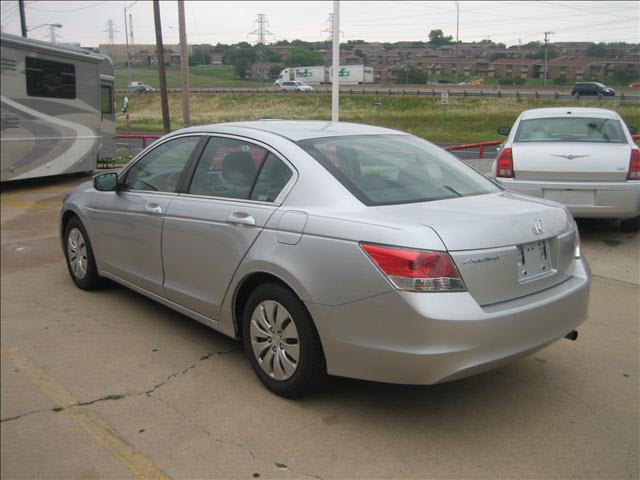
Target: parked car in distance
{"type": "Point", "coordinates": [592, 88]}
{"type": "Point", "coordinates": [584, 158]}
{"type": "Point", "coordinates": [333, 248]}
{"type": "Point", "coordinates": [295, 87]}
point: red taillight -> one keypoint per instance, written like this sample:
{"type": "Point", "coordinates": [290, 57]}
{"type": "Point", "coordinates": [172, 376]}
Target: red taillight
{"type": "Point", "coordinates": [416, 270]}
{"type": "Point", "coordinates": [634, 165]}
{"type": "Point", "coordinates": [504, 166]}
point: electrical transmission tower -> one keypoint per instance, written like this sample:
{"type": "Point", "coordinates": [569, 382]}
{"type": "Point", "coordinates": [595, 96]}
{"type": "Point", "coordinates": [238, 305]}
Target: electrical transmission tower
{"type": "Point", "coordinates": [111, 31]}
{"type": "Point", "coordinates": [329, 29]}
{"type": "Point", "coordinates": [261, 33]}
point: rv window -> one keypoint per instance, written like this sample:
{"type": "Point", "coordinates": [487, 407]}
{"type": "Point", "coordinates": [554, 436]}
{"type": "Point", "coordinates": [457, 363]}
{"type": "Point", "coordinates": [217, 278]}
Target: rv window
{"type": "Point", "coordinates": [46, 78]}
{"type": "Point", "coordinates": [106, 99]}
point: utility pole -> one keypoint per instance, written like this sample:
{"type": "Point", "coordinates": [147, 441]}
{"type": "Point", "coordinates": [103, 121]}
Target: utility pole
{"type": "Point", "coordinates": [457, 25]}
{"type": "Point", "coordinates": [184, 65]}
{"type": "Point", "coordinates": [52, 33]}
{"type": "Point", "coordinates": [23, 20]}
{"type": "Point", "coordinates": [126, 29]}
{"type": "Point", "coordinates": [131, 29]}
{"type": "Point", "coordinates": [164, 100]}
{"type": "Point", "coordinates": [261, 32]}
{"type": "Point", "coordinates": [546, 42]}
{"type": "Point", "coordinates": [335, 80]}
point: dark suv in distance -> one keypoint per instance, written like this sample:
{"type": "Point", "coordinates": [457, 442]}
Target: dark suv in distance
{"type": "Point", "coordinates": [592, 88]}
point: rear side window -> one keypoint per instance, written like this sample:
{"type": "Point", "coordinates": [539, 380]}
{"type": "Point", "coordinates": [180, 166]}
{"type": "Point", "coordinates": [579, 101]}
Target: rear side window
{"type": "Point", "coordinates": [233, 168]}
{"type": "Point", "coordinates": [570, 129]}
{"type": "Point", "coordinates": [393, 169]}
{"type": "Point", "coordinates": [51, 79]}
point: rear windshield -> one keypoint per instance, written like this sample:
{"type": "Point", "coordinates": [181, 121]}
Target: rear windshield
{"type": "Point", "coordinates": [393, 169]}
{"type": "Point", "coordinates": [570, 129]}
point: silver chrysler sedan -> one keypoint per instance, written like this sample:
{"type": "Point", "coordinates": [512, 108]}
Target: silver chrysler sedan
{"type": "Point", "coordinates": [333, 248]}
{"type": "Point", "coordinates": [584, 158]}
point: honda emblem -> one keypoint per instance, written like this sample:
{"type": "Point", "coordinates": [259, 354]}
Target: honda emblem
{"type": "Point", "coordinates": [536, 226]}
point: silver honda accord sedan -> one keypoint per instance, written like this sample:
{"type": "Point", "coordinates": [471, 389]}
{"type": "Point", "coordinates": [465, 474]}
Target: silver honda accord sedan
{"type": "Point", "coordinates": [333, 248]}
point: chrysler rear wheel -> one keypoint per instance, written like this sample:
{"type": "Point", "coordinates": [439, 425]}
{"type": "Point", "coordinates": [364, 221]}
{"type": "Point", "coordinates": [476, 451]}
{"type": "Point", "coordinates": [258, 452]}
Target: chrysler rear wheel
{"type": "Point", "coordinates": [282, 343]}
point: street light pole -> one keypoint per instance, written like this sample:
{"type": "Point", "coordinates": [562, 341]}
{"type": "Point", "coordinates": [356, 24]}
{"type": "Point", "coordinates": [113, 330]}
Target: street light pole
{"type": "Point", "coordinates": [546, 41]}
{"type": "Point", "coordinates": [335, 86]}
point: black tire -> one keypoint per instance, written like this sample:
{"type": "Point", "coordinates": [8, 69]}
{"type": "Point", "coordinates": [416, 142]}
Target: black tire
{"type": "Point", "coordinates": [311, 371]}
{"type": "Point", "coordinates": [91, 280]}
{"type": "Point", "coordinates": [630, 225]}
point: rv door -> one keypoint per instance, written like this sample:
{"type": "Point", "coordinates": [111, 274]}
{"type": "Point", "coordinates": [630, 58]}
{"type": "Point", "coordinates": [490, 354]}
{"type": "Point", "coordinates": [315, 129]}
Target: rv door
{"type": "Point", "coordinates": [107, 118]}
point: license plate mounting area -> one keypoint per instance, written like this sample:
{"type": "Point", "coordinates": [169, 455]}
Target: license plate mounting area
{"type": "Point", "coordinates": [535, 261]}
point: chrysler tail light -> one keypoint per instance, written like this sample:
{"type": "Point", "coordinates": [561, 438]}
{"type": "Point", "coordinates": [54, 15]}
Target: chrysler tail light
{"type": "Point", "coordinates": [416, 270]}
{"type": "Point", "coordinates": [504, 166]}
{"type": "Point", "coordinates": [634, 165]}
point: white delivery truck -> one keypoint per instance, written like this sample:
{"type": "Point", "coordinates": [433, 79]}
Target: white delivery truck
{"type": "Point", "coordinates": [349, 74]}
{"type": "Point", "coordinates": [353, 74]}
{"type": "Point", "coordinates": [309, 75]}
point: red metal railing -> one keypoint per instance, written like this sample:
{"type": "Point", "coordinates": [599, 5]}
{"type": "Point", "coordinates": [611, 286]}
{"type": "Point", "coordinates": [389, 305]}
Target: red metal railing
{"type": "Point", "coordinates": [139, 136]}
{"type": "Point", "coordinates": [480, 146]}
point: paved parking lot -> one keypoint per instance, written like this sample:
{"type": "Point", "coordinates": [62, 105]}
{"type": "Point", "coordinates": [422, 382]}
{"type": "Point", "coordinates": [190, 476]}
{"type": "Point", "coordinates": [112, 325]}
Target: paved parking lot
{"type": "Point", "coordinates": [109, 384]}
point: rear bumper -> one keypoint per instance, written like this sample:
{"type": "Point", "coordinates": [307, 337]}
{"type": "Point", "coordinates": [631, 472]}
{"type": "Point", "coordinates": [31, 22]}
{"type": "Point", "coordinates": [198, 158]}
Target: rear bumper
{"type": "Point", "coordinates": [426, 338]}
{"type": "Point", "coordinates": [593, 200]}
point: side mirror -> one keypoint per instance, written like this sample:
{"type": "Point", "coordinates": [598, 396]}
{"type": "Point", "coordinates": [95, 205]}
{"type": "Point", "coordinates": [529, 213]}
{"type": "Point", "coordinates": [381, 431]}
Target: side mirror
{"type": "Point", "coordinates": [125, 104]}
{"type": "Point", "coordinates": [632, 130]}
{"type": "Point", "coordinates": [106, 182]}
{"type": "Point", "coordinates": [504, 130]}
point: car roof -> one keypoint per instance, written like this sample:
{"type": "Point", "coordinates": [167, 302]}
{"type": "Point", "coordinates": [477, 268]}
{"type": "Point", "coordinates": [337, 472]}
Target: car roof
{"type": "Point", "coordinates": [294, 130]}
{"type": "Point", "coordinates": [566, 111]}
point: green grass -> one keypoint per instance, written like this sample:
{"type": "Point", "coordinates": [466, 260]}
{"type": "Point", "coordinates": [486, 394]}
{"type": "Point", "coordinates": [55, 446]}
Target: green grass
{"type": "Point", "coordinates": [467, 119]}
{"type": "Point", "coordinates": [199, 76]}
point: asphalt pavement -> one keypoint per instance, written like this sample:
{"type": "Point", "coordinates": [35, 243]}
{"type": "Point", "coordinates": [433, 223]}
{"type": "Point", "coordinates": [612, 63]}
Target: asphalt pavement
{"type": "Point", "coordinates": [109, 384]}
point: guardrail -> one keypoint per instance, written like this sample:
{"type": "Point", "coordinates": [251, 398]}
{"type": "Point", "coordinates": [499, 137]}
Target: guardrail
{"type": "Point", "coordinates": [138, 136]}
{"type": "Point", "coordinates": [410, 92]}
{"type": "Point", "coordinates": [479, 145]}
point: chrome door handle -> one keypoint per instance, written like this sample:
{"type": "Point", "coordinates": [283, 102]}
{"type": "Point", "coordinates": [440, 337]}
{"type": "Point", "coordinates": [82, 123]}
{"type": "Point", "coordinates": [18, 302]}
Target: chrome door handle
{"type": "Point", "coordinates": [153, 208]}
{"type": "Point", "coordinates": [241, 218]}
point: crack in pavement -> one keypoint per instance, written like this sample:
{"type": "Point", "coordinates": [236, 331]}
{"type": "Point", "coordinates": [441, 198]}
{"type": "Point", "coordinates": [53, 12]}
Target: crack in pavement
{"type": "Point", "coordinates": [615, 280]}
{"type": "Point", "coordinates": [8, 419]}
{"type": "Point", "coordinates": [188, 369]}
{"type": "Point", "coordinates": [278, 465]}
{"type": "Point", "coordinates": [127, 394]}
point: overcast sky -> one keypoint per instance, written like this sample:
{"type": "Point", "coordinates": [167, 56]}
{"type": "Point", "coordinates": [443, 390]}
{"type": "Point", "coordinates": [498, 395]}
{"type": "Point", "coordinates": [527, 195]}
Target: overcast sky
{"type": "Point", "coordinates": [509, 22]}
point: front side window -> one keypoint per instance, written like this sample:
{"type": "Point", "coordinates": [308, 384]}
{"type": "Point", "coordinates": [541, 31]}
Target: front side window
{"type": "Point", "coordinates": [393, 169]}
{"type": "Point", "coordinates": [106, 99]}
{"type": "Point", "coordinates": [160, 169]}
{"type": "Point", "coordinates": [570, 129]}
{"type": "Point", "coordinates": [47, 78]}
{"type": "Point", "coordinates": [233, 168]}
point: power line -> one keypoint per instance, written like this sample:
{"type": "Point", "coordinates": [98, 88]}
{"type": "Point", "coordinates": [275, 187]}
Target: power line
{"type": "Point", "coordinates": [69, 10]}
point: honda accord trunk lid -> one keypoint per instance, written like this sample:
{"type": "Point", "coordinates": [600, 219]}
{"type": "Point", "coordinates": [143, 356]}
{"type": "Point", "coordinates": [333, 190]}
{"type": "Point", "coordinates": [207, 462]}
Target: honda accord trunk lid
{"type": "Point", "coordinates": [505, 245]}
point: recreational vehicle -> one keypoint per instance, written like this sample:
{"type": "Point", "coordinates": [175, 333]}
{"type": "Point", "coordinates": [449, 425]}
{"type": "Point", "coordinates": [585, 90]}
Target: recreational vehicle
{"type": "Point", "coordinates": [58, 113]}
